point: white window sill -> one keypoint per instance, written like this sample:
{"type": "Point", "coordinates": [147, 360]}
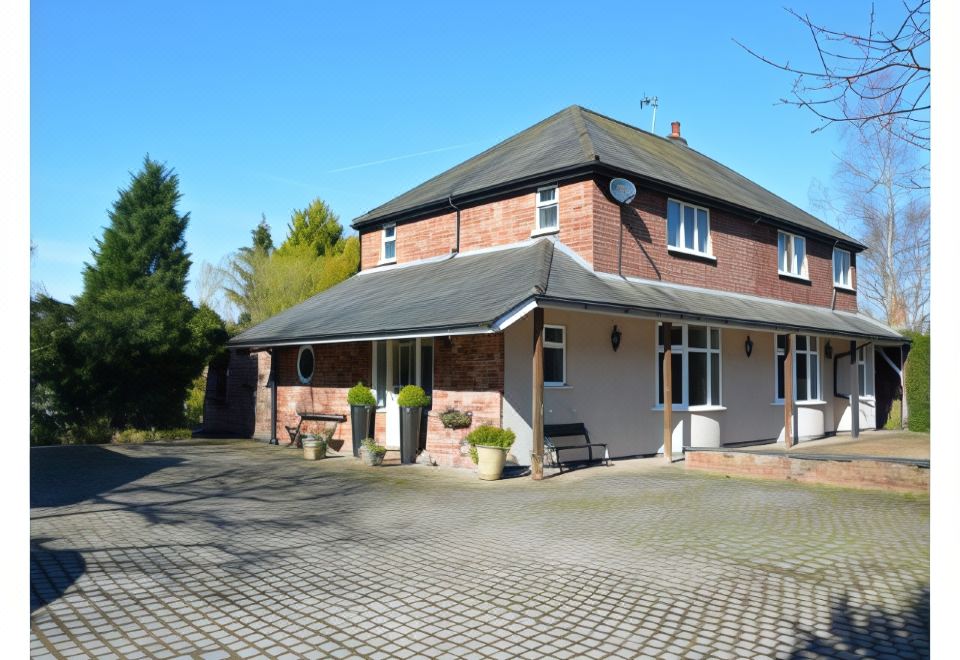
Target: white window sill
{"type": "Point", "coordinates": [844, 288]}
{"type": "Point", "coordinates": [692, 253]}
{"type": "Point", "coordinates": [545, 232]}
{"type": "Point", "coordinates": [682, 408]}
{"type": "Point", "coordinates": [387, 262]}
{"type": "Point", "coordinates": [558, 386]}
{"type": "Point", "coordinates": [793, 276]}
{"type": "Point", "coordinates": [812, 402]}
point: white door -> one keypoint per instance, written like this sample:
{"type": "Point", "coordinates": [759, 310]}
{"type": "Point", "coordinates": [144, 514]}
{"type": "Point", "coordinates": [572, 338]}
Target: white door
{"type": "Point", "coordinates": [402, 371]}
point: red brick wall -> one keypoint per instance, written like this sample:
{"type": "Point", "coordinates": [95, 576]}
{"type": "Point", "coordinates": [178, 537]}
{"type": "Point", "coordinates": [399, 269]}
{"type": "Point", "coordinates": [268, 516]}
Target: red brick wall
{"type": "Point", "coordinates": [857, 473]}
{"type": "Point", "coordinates": [468, 375]}
{"type": "Point", "coordinates": [500, 222]}
{"type": "Point", "coordinates": [338, 367]}
{"type": "Point", "coordinates": [745, 251]}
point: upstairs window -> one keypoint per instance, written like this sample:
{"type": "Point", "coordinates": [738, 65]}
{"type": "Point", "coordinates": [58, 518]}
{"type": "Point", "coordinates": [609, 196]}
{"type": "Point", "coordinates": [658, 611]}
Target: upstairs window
{"type": "Point", "coordinates": [388, 251]}
{"type": "Point", "coordinates": [806, 368]}
{"type": "Point", "coordinates": [548, 213]}
{"type": "Point", "coordinates": [841, 269]}
{"type": "Point", "coordinates": [554, 355]}
{"type": "Point", "coordinates": [792, 255]}
{"type": "Point", "coordinates": [688, 228]}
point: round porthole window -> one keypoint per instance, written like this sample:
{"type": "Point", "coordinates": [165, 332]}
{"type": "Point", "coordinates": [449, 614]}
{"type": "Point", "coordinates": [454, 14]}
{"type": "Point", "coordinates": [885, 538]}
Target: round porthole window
{"type": "Point", "coordinates": [305, 364]}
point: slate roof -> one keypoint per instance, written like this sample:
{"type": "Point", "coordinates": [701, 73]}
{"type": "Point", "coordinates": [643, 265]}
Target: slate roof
{"type": "Point", "coordinates": [577, 138]}
{"type": "Point", "coordinates": [472, 292]}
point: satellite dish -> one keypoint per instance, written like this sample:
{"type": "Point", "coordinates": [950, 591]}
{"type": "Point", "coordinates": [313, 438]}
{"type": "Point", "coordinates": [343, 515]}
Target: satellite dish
{"type": "Point", "coordinates": [622, 190]}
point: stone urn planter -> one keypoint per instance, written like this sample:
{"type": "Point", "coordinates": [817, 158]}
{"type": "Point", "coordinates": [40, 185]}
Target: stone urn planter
{"type": "Point", "coordinates": [371, 453]}
{"type": "Point", "coordinates": [488, 449]}
{"type": "Point", "coordinates": [490, 461]}
{"type": "Point", "coordinates": [314, 448]}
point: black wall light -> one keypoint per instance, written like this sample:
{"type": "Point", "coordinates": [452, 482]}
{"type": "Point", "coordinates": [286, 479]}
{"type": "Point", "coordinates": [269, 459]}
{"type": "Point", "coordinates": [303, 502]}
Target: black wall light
{"type": "Point", "coordinates": [615, 337]}
{"type": "Point", "coordinates": [828, 350]}
{"type": "Point", "coordinates": [748, 346]}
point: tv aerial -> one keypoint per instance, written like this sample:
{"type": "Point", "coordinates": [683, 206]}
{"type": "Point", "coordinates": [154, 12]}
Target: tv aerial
{"type": "Point", "coordinates": [655, 102]}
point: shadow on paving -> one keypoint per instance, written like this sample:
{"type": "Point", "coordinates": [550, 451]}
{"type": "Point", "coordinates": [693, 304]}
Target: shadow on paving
{"type": "Point", "coordinates": [60, 476]}
{"type": "Point", "coordinates": [52, 572]}
{"type": "Point", "coordinates": [869, 631]}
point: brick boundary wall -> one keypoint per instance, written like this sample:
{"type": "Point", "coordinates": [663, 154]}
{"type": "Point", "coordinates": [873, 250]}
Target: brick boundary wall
{"type": "Point", "coordinates": [855, 473]}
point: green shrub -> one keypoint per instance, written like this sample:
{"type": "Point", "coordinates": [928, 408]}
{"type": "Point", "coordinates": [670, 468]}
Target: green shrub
{"type": "Point", "coordinates": [371, 446]}
{"type": "Point", "coordinates": [489, 436]}
{"type": "Point", "coordinates": [918, 383]}
{"type": "Point", "coordinates": [893, 418]}
{"type": "Point", "coordinates": [455, 419]}
{"type": "Point", "coordinates": [360, 395]}
{"type": "Point", "coordinates": [139, 436]}
{"type": "Point", "coordinates": [193, 407]}
{"type": "Point", "coordinates": [412, 396]}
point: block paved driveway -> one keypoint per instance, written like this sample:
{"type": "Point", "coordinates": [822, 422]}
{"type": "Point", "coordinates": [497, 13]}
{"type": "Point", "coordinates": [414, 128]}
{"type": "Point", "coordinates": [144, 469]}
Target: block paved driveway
{"type": "Point", "coordinates": [245, 550]}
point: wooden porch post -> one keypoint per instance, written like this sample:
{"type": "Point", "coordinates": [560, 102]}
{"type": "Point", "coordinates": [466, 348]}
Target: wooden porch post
{"type": "Point", "coordinates": [788, 393]}
{"type": "Point", "coordinates": [667, 369]}
{"type": "Point", "coordinates": [536, 416]}
{"type": "Point", "coordinates": [854, 392]}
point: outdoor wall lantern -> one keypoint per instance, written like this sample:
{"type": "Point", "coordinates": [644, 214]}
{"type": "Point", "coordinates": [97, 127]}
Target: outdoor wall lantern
{"type": "Point", "coordinates": [615, 338]}
{"type": "Point", "coordinates": [748, 346]}
{"type": "Point", "coordinates": [828, 350]}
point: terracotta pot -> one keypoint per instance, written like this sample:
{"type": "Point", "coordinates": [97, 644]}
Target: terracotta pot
{"type": "Point", "coordinates": [490, 462]}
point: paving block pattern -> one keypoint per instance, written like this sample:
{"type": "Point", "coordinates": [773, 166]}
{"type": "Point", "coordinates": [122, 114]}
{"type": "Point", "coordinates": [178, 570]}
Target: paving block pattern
{"type": "Point", "coordinates": [246, 550]}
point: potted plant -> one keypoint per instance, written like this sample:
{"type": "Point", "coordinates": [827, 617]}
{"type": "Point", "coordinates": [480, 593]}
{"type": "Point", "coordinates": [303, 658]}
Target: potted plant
{"type": "Point", "coordinates": [411, 400]}
{"type": "Point", "coordinates": [363, 410]}
{"type": "Point", "coordinates": [488, 449]}
{"type": "Point", "coordinates": [371, 452]}
{"type": "Point", "coordinates": [314, 447]}
{"type": "Point", "coordinates": [452, 418]}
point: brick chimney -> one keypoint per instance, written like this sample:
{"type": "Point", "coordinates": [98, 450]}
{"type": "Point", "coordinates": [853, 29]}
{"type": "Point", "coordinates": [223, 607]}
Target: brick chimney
{"type": "Point", "coordinates": [675, 132]}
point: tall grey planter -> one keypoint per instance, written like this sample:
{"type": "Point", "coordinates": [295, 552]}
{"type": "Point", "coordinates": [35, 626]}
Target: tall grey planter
{"type": "Point", "coordinates": [362, 419]}
{"type": "Point", "coordinates": [410, 433]}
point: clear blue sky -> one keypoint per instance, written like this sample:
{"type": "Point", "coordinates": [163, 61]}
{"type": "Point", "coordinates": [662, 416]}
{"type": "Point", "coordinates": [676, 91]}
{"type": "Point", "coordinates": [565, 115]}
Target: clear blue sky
{"type": "Point", "coordinates": [260, 107]}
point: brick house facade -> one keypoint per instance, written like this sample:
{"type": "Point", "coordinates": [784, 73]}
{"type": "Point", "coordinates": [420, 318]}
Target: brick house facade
{"type": "Point", "coordinates": [774, 263]}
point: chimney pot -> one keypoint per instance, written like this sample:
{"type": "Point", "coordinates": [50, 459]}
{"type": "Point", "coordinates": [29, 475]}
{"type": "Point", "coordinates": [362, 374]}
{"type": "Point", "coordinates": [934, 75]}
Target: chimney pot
{"type": "Point", "coordinates": [675, 133]}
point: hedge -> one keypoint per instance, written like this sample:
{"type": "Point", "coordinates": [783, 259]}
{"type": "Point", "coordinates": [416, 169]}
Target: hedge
{"type": "Point", "coordinates": [918, 383]}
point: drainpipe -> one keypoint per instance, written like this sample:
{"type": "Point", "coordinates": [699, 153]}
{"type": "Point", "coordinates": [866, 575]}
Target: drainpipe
{"type": "Point", "coordinates": [272, 382]}
{"type": "Point", "coordinates": [456, 248]}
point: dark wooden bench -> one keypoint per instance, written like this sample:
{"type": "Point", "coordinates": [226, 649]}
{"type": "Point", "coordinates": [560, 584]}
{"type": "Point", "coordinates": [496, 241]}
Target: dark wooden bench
{"type": "Point", "coordinates": [551, 431]}
{"type": "Point", "coordinates": [296, 437]}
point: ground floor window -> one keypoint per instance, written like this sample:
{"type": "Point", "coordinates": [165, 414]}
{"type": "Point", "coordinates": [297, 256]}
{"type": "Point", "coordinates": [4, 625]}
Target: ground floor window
{"type": "Point", "coordinates": [305, 364]}
{"type": "Point", "coordinates": [806, 368]}
{"type": "Point", "coordinates": [399, 362]}
{"type": "Point", "coordinates": [554, 355]}
{"type": "Point", "coordinates": [863, 373]}
{"type": "Point", "coordinates": [695, 366]}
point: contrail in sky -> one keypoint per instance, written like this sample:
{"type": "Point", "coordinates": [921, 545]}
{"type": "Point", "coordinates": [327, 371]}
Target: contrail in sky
{"type": "Point", "coordinates": [390, 160]}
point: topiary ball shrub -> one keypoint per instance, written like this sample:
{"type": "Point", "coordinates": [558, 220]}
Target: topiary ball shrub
{"type": "Point", "coordinates": [360, 395]}
{"type": "Point", "coordinates": [489, 436]}
{"type": "Point", "coordinates": [412, 396]}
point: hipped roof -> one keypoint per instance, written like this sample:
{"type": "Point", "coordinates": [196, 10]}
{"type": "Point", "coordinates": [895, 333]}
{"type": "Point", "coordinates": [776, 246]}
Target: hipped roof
{"type": "Point", "coordinates": [483, 292]}
{"type": "Point", "coordinates": [578, 140]}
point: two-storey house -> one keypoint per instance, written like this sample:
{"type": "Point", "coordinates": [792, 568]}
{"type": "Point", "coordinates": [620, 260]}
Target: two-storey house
{"type": "Point", "coordinates": [516, 287]}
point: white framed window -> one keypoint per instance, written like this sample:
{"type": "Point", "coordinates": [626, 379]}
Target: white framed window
{"type": "Point", "coordinates": [695, 366]}
{"type": "Point", "coordinates": [548, 209]}
{"type": "Point", "coordinates": [688, 228]}
{"type": "Point", "coordinates": [399, 362]}
{"type": "Point", "coordinates": [806, 368]}
{"type": "Point", "coordinates": [841, 269]}
{"type": "Point", "coordinates": [305, 364]}
{"type": "Point", "coordinates": [864, 372]}
{"type": "Point", "coordinates": [388, 249]}
{"type": "Point", "coordinates": [792, 255]}
{"type": "Point", "coordinates": [554, 355]}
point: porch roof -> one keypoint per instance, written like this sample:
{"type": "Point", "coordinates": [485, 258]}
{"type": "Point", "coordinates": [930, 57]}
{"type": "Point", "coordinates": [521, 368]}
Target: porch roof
{"type": "Point", "coordinates": [485, 291]}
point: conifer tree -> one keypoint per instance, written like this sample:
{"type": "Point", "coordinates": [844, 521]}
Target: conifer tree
{"type": "Point", "coordinates": [141, 339]}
